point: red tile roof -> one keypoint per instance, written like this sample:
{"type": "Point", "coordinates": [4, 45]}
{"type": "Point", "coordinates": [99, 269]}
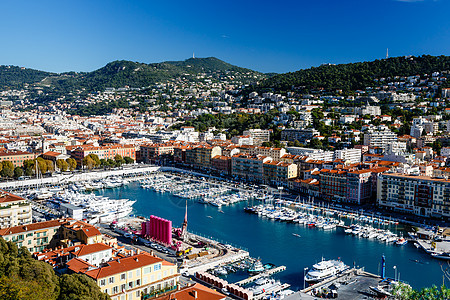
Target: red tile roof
{"type": "Point", "coordinates": [124, 265]}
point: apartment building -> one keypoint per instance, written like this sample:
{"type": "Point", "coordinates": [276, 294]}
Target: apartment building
{"type": "Point", "coordinates": [419, 195]}
{"type": "Point", "coordinates": [317, 154]}
{"type": "Point", "coordinates": [38, 236]}
{"type": "Point", "coordinates": [14, 210]}
{"type": "Point", "coordinates": [221, 164]}
{"type": "Point", "coordinates": [200, 156]}
{"type": "Point", "coordinates": [359, 186]}
{"type": "Point", "coordinates": [151, 152]}
{"type": "Point", "coordinates": [349, 155]}
{"type": "Point", "coordinates": [278, 172]}
{"type": "Point", "coordinates": [379, 138]}
{"type": "Point", "coordinates": [16, 157]}
{"type": "Point", "coordinates": [274, 153]}
{"type": "Point", "coordinates": [103, 152]}
{"type": "Point", "coordinates": [130, 278]}
{"type": "Point", "coordinates": [259, 136]}
{"type": "Point", "coordinates": [249, 166]}
{"type": "Point", "coordinates": [333, 185]}
{"type": "Point", "coordinates": [301, 135]}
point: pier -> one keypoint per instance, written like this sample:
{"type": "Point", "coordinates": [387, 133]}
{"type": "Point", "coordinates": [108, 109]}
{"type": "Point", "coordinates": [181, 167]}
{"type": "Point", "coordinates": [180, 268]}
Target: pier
{"type": "Point", "coordinates": [270, 291]}
{"type": "Point", "coordinates": [262, 274]}
{"type": "Point", "coordinates": [351, 284]}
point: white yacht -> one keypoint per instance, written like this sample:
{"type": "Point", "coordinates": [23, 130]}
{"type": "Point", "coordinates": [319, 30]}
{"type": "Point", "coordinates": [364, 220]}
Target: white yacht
{"type": "Point", "coordinates": [325, 269]}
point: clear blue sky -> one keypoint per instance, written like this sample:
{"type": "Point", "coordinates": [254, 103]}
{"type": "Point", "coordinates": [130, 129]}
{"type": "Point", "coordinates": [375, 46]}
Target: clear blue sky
{"type": "Point", "coordinates": [268, 36]}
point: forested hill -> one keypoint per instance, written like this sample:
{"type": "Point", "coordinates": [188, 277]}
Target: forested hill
{"type": "Point", "coordinates": [14, 77]}
{"type": "Point", "coordinates": [118, 74]}
{"type": "Point", "coordinates": [353, 76]}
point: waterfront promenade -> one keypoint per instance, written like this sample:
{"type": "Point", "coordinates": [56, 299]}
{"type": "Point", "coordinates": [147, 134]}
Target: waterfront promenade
{"type": "Point", "coordinates": [64, 179]}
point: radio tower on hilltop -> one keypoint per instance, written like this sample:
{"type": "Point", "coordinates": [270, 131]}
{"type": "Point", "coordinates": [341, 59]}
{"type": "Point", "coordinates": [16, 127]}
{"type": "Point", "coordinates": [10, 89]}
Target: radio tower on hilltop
{"type": "Point", "coordinates": [193, 55]}
{"type": "Point", "coordinates": [387, 53]}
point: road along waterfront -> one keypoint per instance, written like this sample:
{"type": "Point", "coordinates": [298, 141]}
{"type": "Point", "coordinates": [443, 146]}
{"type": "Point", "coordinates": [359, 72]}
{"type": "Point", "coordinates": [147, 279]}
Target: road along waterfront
{"type": "Point", "coordinates": [274, 241]}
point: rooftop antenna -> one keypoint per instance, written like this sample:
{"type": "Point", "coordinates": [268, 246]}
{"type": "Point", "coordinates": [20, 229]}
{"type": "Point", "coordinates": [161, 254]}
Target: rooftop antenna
{"type": "Point", "coordinates": [387, 53]}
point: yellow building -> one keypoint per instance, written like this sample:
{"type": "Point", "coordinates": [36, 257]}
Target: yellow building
{"type": "Point", "coordinates": [279, 172]}
{"type": "Point", "coordinates": [131, 277]}
{"type": "Point", "coordinates": [38, 236]}
{"type": "Point", "coordinates": [83, 232]}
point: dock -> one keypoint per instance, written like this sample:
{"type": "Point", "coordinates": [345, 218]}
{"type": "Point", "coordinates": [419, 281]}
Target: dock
{"type": "Point", "coordinates": [270, 291]}
{"type": "Point", "coordinates": [262, 274]}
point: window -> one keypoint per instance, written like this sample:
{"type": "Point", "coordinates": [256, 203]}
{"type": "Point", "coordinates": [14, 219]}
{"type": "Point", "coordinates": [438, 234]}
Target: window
{"type": "Point", "coordinates": [115, 290]}
{"type": "Point", "coordinates": [122, 287]}
{"type": "Point", "coordinates": [130, 284]}
{"type": "Point", "coordinates": [130, 274]}
{"type": "Point", "coordinates": [138, 272]}
{"type": "Point", "coordinates": [147, 270]}
{"type": "Point", "coordinates": [123, 276]}
{"type": "Point", "coordinates": [102, 282]}
{"type": "Point", "coordinates": [138, 282]}
{"type": "Point", "coordinates": [111, 279]}
{"type": "Point", "coordinates": [138, 293]}
{"type": "Point", "coordinates": [157, 267]}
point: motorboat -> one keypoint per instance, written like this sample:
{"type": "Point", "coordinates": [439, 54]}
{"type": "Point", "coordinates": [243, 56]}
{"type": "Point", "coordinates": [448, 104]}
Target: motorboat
{"type": "Point", "coordinates": [256, 267]}
{"type": "Point", "coordinates": [325, 269]}
{"type": "Point", "coordinates": [401, 241]}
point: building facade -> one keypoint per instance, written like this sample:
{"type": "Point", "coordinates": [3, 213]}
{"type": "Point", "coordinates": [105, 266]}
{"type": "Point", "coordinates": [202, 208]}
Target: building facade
{"type": "Point", "coordinates": [14, 210]}
{"type": "Point", "coordinates": [418, 195]}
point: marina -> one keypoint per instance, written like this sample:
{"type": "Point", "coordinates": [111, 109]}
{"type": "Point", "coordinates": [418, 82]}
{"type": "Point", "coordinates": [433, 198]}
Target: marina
{"type": "Point", "coordinates": [274, 241]}
{"type": "Point", "coordinates": [255, 222]}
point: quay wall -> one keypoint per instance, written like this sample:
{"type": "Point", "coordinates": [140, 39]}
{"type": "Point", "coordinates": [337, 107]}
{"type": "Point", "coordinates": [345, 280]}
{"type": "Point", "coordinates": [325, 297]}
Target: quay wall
{"type": "Point", "coordinates": [65, 179]}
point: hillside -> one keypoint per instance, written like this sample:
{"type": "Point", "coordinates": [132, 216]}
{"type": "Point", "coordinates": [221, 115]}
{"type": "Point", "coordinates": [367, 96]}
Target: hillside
{"type": "Point", "coordinates": [353, 76]}
{"type": "Point", "coordinates": [116, 74]}
{"type": "Point", "coordinates": [14, 77]}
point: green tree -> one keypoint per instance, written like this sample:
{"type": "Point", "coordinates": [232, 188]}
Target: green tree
{"type": "Point", "coordinates": [88, 162]}
{"type": "Point", "coordinates": [80, 287]}
{"type": "Point", "coordinates": [29, 164]}
{"type": "Point", "coordinates": [42, 165]}
{"type": "Point", "coordinates": [103, 163]}
{"type": "Point", "coordinates": [95, 158]}
{"type": "Point", "coordinates": [18, 171]}
{"type": "Point", "coordinates": [7, 169]}
{"type": "Point", "coordinates": [50, 167]}
{"type": "Point", "coordinates": [128, 160]}
{"type": "Point", "coordinates": [72, 163]}
{"type": "Point", "coordinates": [62, 165]}
{"type": "Point", "coordinates": [119, 160]}
{"type": "Point", "coordinates": [111, 163]}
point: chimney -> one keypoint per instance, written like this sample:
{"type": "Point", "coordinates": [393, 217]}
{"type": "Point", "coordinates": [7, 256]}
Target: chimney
{"type": "Point", "coordinates": [195, 294]}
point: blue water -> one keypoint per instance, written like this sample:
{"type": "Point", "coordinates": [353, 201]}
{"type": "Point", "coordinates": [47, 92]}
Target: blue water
{"type": "Point", "coordinates": [273, 241]}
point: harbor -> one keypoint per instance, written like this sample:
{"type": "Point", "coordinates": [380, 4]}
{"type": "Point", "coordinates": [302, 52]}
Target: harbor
{"type": "Point", "coordinates": [245, 223]}
{"type": "Point", "coordinates": [275, 241]}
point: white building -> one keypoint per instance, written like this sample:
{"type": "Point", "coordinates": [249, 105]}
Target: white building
{"type": "Point", "coordinates": [379, 138]}
{"type": "Point", "coordinates": [368, 110]}
{"type": "Point", "coordinates": [14, 210]}
{"type": "Point", "coordinates": [349, 155]}
{"type": "Point", "coordinates": [258, 135]}
{"type": "Point", "coordinates": [396, 148]}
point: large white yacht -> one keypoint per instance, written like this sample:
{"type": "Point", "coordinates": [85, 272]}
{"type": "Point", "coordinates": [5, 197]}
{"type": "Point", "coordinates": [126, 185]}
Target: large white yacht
{"type": "Point", "coordinates": [325, 269]}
